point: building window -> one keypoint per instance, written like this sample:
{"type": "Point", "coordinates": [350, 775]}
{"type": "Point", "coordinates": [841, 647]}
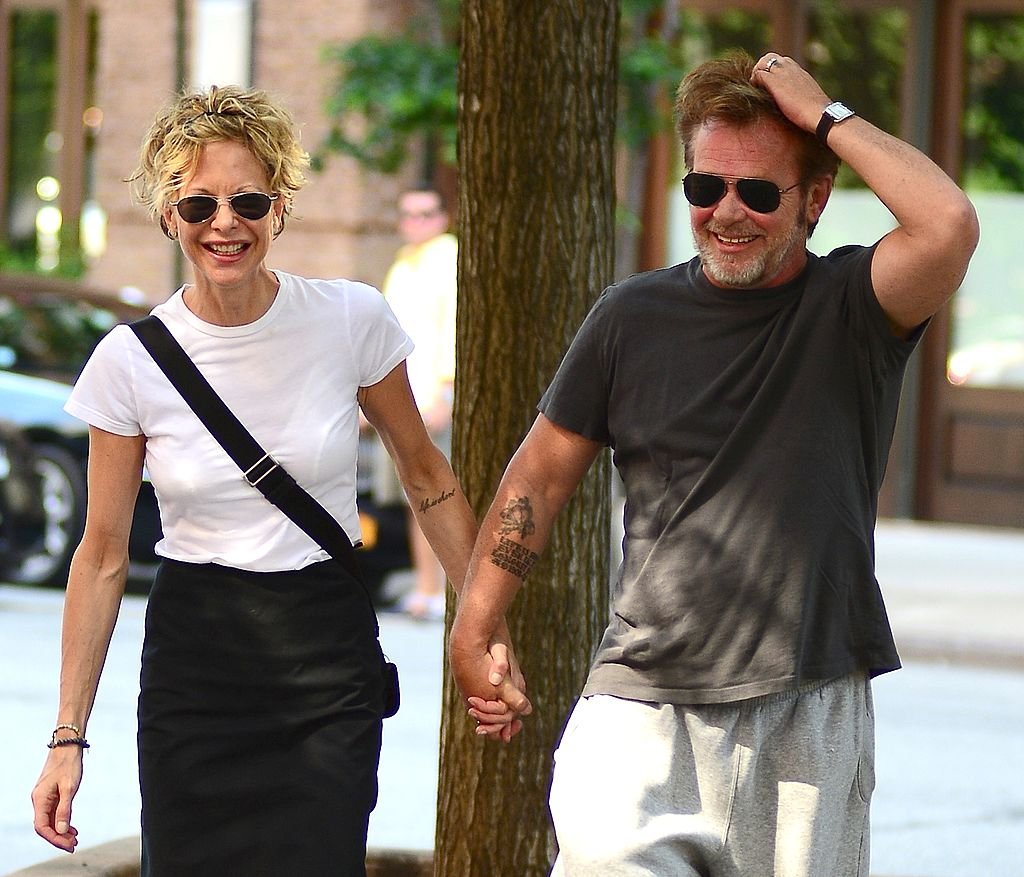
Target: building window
{"type": "Point", "coordinates": [222, 49]}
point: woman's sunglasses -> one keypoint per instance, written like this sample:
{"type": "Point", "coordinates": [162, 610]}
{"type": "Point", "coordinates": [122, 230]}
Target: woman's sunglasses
{"type": "Point", "coordinates": [199, 208]}
{"type": "Point", "coordinates": [761, 196]}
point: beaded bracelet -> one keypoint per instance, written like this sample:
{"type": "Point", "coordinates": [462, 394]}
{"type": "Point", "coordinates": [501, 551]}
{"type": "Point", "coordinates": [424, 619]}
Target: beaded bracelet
{"type": "Point", "coordinates": [77, 740]}
{"type": "Point", "coordinates": [68, 741]}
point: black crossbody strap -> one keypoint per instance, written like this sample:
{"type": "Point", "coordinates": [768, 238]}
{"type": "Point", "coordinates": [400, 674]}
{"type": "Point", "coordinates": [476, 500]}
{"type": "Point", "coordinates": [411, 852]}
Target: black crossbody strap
{"type": "Point", "coordinates": [258, 467]}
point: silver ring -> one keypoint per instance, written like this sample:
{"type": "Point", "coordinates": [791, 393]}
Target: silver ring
{"type": "Point", "coordinates": [771, 63]}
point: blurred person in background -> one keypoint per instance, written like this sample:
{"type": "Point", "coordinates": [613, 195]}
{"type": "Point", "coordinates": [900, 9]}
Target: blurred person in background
{"type": "Point", "coordinates": [421, 288]}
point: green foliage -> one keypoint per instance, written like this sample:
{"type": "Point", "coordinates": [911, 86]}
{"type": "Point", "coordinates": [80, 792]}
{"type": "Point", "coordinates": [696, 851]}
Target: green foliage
{"type": "Point", "coordinates": [33, 91]}
{"type": "Point", "coordinates": [994, 117]}
{"type": "Point", "coordinates": [654, 55]}
{"type": "Point", "coordinates": [859, 57]}
{"type": "Point", "coordinates": [21, 259]}
{"type": "Point", "coordinates": [649, 68]}
{"type": "Point", "coordinates": [389, 91]}
{"type": "Point", "coordinates": [704, 36]}
{"type": "Point", "coordinates": [33, 72]}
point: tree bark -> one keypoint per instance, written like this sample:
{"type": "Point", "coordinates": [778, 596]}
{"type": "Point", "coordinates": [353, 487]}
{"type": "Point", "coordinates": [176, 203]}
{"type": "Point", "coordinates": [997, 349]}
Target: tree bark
{"type": "Point", "coordinates": [537, 82]}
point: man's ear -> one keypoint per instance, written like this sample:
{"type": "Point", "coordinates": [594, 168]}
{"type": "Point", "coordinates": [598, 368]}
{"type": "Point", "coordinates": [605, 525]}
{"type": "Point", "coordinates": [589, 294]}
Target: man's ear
{"type": "Point", "coordinates": [817, 198]}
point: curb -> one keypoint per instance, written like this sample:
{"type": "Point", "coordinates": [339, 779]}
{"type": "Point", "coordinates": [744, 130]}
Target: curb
{"type": "Point", "coordinates": [120, 858]}
{"type": "Point", "coordinates": [965, 653]}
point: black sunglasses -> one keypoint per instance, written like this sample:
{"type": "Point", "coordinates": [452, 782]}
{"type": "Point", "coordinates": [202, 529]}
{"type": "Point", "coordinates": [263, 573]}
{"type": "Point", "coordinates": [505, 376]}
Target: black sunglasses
{"type": "Point", "coordinates": [199, 208]}
{"type": "Point", "coordinates": [761, 196]}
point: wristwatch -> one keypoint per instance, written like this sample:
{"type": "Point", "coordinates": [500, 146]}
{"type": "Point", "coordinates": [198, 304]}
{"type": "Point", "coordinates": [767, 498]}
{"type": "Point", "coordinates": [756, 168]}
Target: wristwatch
{"type": "Point", "coordinates": [834, 112]}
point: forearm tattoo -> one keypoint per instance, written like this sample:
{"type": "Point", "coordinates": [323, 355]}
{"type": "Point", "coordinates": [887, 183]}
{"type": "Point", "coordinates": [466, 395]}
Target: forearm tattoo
{"type": "Point", "coordinates": [430, 503]}
{"type": "Point", "coordinates": [513, 557]}
{"type": "Point", "coordinates": [517, 517]}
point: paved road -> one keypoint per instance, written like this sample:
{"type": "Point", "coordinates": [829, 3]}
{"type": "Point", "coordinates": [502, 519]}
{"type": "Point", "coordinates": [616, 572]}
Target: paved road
{"type": "Point", "coordinates": [950, 796]}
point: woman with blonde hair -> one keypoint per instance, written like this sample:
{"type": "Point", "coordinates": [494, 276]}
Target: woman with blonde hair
{"type": "Point", "coordinates": [261, 687]}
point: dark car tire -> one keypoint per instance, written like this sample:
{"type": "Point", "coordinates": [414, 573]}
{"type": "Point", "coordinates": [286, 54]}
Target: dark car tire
{"type": "Point", "coordinates": [64, 501]}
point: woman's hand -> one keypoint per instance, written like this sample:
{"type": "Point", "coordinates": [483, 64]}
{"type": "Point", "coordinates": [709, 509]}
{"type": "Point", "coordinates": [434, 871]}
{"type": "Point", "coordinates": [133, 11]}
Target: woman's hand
{"type": "Point", "coordinates": [52, 796]}
{"type": "Point", "coordinates": [496, 718]}
{"type": "Point", "coordinates": [493, 685]}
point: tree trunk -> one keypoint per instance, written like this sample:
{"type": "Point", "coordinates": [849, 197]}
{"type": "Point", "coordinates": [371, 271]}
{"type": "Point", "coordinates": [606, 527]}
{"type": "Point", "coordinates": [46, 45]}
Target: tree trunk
{"type": "Point", "coordinates": [537, 83]}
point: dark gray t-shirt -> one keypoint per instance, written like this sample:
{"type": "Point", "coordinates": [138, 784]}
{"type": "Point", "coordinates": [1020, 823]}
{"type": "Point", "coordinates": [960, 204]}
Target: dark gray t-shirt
{"type": "Point", "coordinates": [751, 430]}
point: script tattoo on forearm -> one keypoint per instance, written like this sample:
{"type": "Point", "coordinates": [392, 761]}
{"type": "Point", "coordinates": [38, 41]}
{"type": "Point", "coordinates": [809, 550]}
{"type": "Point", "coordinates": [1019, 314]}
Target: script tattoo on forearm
{"type": "Point", "coordinates": [511, 556]}
{"type": "Point", "coordinates": [430, 503]}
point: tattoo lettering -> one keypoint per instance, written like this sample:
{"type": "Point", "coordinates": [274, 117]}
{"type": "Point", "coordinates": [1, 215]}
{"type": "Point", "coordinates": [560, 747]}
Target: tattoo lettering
{"type": "Point", "coordinates": [517, 517]}
{"type": "Point", "coordinates": [513, 557]}
{"type": "Point", "coordinates": [430, 503]}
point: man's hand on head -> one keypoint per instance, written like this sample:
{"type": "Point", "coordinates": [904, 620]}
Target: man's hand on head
{"type": "Point", "coordinates": [795, 91]}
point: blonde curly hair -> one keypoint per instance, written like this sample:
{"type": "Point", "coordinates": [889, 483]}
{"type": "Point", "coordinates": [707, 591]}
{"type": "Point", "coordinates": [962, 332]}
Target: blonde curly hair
{"type": "Point", "coordinates": [171, 147]}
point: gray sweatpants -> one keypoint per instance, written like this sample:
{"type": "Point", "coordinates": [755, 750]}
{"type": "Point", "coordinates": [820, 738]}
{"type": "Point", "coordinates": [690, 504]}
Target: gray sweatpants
{"type": "Point", "coordinates": [775, 786]}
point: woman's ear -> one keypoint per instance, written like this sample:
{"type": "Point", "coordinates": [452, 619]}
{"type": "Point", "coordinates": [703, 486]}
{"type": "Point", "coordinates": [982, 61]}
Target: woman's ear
{"type": "Point", "coordinates": [278, 223]}
{"type": "Point", "coordinates": [167, 224]}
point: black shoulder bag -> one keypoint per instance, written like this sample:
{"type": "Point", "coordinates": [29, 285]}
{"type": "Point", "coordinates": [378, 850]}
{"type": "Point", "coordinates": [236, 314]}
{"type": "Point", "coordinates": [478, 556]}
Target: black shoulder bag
{"type": "Point", "coordinates": [258, 467]}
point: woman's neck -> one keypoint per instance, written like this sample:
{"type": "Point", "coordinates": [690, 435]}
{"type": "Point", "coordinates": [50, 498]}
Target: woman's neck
{"type": "Point", "coordinates": [232, 306]}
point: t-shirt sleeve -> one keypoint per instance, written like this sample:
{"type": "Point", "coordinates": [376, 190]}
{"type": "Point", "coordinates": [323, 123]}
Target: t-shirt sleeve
{"type": "Point", "coordinates": [886, 350]}
{"type": "Point", "coordinates": [577, 398]}
{"type": "Point", "coordinates": [378, 340]}
{"type": "Point", "coordinates": [104, 394]}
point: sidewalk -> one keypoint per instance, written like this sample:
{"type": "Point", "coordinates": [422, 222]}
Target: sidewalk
{"type": "Point", "coordinates": [954, 593]}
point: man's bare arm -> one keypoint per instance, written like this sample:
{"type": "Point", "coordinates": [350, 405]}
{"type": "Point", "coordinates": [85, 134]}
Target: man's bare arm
{"type": "Point", "coordinates": [538, 482]}
{"type": "Point", "coordinates": [920, 263]}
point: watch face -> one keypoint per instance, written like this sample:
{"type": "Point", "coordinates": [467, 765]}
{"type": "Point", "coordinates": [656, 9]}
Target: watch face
{"type": "Point", "coordinates": [839, 111]}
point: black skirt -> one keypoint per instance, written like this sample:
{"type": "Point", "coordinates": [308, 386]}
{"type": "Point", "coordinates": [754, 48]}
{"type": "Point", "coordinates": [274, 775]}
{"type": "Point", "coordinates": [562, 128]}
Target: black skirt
{"type": "Point", "coordinates": [259, 722]}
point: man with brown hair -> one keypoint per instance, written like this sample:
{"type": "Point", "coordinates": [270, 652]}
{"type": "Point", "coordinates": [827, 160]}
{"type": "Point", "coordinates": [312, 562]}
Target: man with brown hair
{"type": "Point", "coordinates": [749, 397]}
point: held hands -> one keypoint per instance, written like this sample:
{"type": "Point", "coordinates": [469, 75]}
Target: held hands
{"type": "Point", "coordinates": [52, 796]}
{"type": "Point", "coordinates": [498, 719]}
{"type": "Point", "coordinates": [492, 684]}
{"type": "Point", "coordinates": [795, 91]}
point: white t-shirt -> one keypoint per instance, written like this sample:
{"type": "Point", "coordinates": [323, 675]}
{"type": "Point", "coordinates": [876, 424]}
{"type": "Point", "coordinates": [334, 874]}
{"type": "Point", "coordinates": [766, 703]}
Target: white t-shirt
{"type": "Point", "coordinates": [291, 378]}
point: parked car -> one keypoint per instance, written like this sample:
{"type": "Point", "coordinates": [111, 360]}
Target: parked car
{"type": "Point", "coordinates": [49, 326]}
{"type": "Point", "coordinates": [60, 445]}
{"type": "Point", "coordinates": [21, 505]}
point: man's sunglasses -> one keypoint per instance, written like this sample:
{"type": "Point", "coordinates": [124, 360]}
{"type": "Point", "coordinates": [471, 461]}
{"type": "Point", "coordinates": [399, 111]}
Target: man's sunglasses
{"type": "Point", "coordinates": [199, 208]}
{"type": "Point", "coordinates": [761, 196]}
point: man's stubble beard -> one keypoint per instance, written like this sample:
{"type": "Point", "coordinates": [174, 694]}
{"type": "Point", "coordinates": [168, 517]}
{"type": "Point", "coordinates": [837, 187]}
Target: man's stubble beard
{"type": "Point", "coordinates": [751, 272]}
